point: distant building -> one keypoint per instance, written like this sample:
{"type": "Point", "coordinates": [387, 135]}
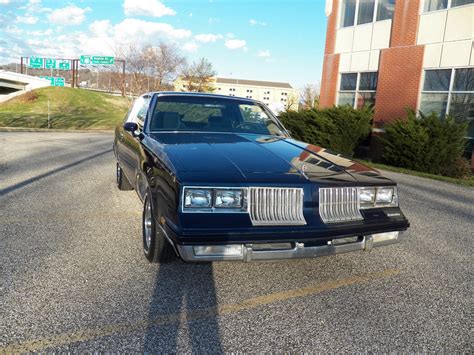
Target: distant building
{"type": "Point", "coordinates": [398, 54]}
{"type": "Point", "coordinates": [277, 96]}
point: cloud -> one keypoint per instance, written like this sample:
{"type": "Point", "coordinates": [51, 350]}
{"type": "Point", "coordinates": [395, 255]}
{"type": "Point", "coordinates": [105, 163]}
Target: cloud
{"type": "Point", "coordinates": [100, 27]}
{"type": "Point", "coordinates": [213, 20]}
{"type": "Point", "coordinates": [235, 43]}
{"type": "Point", "coordinates": [69, 15]}
{"type": "Point", "coordinates": [253, 22]}
{"type": "Point", "coordinates": [207, 37]}
{"type": "Point", "coordinates": [28, 20]}
{"type": "Point", "coordinates": [154, 8]}
{"type": "Point", "coordinates": [130, 30]}
{"type": "Point", "coordinates": [4, 2]}
{"type": "Point", "coordinates": [191, 47]}
{"type": "Point", "coordinates": [264, 54]}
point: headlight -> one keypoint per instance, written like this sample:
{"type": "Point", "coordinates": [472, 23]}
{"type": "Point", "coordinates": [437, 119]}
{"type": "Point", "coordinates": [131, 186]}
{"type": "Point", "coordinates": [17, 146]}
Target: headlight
{"type": "Point", "coordinates": [228, 199]}
{"type": "Point", "coordinates": [197, 198]}
{"type": "Point", "coordinates": [372, 197]}
{"type": "Point", "coordinates": [367, 197]}
{"type": "Point", "coordinates": [219, 199]}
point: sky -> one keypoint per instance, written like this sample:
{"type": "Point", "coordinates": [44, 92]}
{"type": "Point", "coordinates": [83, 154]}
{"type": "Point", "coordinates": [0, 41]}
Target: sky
{"type": "Point", "coordinates": [272, 40]}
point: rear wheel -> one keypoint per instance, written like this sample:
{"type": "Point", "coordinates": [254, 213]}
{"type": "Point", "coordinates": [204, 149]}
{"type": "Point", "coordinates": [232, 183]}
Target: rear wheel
{"type": "Point", "coordinates": [122, 181]}
{"type": "Point", "coordinates": [155, 246]}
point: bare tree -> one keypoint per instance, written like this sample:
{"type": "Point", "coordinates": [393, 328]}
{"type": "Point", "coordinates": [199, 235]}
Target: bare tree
{"type": "Point", "coordinates": [199, 76]}
{"type": "Point", "coordinates": [150, 68]}
{"type": "Point", "coordinates": [309, 96]}
{"type": "Point", "coordinates": [166, 61]}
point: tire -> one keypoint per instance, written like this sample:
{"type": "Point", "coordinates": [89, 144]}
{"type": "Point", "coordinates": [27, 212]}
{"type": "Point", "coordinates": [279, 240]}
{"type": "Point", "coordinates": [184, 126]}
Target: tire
{"type": "Point", "coordinates": [156, 247]}
{"type": "Point", "coordinates": [122, 181]}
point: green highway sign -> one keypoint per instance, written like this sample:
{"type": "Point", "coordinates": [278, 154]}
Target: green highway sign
{"type": "Point", "coordinates": [59, 81]}
{"type": "Point", "coordinates": [50, 63]}
{"type": "Point", "coordinates": [96, 59]}
{"type": "Point", "coordinates": [54, 81]}
{"type": "Point", "coordinates": [36, 63]}
{"type": "Point", "coordinates": [64, 65]}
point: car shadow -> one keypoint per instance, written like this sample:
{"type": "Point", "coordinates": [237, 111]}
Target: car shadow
{"type": "Point", "coordinates": [181, 292]}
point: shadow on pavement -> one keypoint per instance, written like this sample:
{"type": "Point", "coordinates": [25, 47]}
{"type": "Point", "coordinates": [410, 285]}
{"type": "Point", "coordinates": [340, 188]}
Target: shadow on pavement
{"type": "Point", "coordinates": [179, 289]}
{"type": "Point", "coordinates": [51, 172]}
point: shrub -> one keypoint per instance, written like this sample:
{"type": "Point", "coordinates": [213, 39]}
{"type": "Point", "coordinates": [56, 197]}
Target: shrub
{"type": "Point", "coordinates": [337, 128]}
{"type": "Point", "coordinates": [425, 143]}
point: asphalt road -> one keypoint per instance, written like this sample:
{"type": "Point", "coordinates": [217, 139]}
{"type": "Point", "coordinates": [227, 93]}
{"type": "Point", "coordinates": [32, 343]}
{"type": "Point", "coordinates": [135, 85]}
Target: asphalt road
{"type": "Point", "coordinates": [73, 277]}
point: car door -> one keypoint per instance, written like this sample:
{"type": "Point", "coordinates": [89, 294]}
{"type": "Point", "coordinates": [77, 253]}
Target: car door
{"type": "Point", "coordinates": [129, 146]}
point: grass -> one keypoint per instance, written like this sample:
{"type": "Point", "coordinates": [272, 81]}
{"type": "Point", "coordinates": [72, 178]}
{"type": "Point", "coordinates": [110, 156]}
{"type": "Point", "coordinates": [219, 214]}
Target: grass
{"type": "Point", "coordinates": [69, 109]}
{"type": "Point", "coordinates": [469, 181]}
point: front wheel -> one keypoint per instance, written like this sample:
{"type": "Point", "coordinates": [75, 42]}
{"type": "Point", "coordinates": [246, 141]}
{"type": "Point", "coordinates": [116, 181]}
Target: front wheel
{"type": "Point", "coordinates": [155, 246]}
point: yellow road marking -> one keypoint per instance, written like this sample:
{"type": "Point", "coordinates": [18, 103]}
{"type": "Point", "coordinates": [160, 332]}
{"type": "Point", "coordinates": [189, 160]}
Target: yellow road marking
{"type": "Point", "coordinates": [176, 318]}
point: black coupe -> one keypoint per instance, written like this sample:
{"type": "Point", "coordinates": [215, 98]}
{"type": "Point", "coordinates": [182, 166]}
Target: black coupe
{"type": "Point", "coordinates": [220, 178]}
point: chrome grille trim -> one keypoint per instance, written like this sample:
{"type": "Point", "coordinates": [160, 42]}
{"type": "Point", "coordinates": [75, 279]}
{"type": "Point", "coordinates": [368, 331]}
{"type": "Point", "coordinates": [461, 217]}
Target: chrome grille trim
{"type": "Point", "coordinates": [339, 204]}
{"type": "Point", "coordinates": [276, 206]}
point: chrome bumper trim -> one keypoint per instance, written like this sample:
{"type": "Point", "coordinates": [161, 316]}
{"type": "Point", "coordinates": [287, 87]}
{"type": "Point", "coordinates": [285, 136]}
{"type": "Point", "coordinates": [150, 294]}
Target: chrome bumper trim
{"type": "Point", "coordinates": [299, 251]}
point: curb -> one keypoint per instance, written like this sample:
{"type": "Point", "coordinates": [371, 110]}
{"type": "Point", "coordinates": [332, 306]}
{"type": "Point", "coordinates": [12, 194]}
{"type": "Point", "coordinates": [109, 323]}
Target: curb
{"type": "Point", "coordinates": [53, 130]}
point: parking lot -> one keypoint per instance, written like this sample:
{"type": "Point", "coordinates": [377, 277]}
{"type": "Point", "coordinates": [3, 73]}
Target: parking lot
{"type": "Point", "coordinates": [73, 277]}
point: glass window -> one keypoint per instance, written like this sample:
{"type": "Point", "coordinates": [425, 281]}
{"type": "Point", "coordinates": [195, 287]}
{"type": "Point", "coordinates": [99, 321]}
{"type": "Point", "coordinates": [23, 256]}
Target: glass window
{"type": "Point", "coordinates": [348, 13]}
{"type": "Point", "coordinates": [455, 3]}
{"type": "Point", "coordinates": [434, 103]}
{"type": "Point", "coordinates": [346, 98]}
{"type": "Point", "coordinates": [348, 81]}
{"type": "Point", "coordinates": [437, 80]}
{"type": "Point", "coordinates": [365, 99]}
{"type": "Point", "coordinates": [210, 114]}
{"type": "Point", "coordinates": [366, 11]}
{"type": "Point", "coordinates": [464, 80]}
{"type": "Point", "coordinates": [462, 107]}
{"type": "Point", "coordinates": [385, 9]}
{"type": "Point", "coordinates": [368, 81]}
{"type": "Point", "coordinates": [433, 5]}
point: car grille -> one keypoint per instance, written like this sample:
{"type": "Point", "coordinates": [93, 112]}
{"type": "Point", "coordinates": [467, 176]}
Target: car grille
{"type": "Point", "coordinates": [339, 204]}
{"type": "Point", "coordinates": [276, 206]}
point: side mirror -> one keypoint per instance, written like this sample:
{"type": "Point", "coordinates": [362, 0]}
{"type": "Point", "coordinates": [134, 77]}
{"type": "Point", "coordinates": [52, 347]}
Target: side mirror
{"type": "Point", "coordinates": [132, 127]}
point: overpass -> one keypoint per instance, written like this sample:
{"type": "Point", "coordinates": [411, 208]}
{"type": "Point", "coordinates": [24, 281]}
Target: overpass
{"type": "Point", "coordinates": [14, 84]}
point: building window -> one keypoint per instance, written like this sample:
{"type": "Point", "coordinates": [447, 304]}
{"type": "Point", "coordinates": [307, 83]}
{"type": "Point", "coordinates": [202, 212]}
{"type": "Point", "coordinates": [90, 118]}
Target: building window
{"type": "Point", "coordinates": [385, 9]}
{"type": "Point", "coordinates": [449, 91]}
{"type": "Point", "coordinates": [435, 5]}
{"type": "Point", "coordinates": [367, 11]}
{"type": "Point", "coordinates": [357, 89]}
{"type": "Point", "coordinates": [348, 13]}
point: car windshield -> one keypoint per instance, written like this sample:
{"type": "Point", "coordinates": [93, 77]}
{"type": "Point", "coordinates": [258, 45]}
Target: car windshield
{"type": "Point", "coordinates": [212, 114]}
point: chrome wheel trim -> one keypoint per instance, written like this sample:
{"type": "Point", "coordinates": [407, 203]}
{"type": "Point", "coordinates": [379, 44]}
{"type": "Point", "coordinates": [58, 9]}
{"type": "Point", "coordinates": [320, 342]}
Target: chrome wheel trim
{"type": "Point", "coordinates": [147, 223]}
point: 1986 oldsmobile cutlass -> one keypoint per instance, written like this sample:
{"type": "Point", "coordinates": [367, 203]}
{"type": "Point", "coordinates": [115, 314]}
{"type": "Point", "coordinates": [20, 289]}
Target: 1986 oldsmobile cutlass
{"type": "Point", "coordinates": [221, 179]}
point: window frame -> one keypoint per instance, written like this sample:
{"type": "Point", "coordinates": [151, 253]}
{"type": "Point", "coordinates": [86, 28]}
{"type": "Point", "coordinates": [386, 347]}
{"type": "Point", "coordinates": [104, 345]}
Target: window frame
{"type": "Point", "coordinates": [450, 91]}
{"type": "Point", "coordinates": [356, 15]}
{"type": "Point", "coordinates": [356, 90]}
{"type": "Point", "coordinates": [448, 7]}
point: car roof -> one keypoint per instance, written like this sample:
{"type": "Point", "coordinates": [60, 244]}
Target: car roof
{"type": "Point", "coordinates": [199, 94]}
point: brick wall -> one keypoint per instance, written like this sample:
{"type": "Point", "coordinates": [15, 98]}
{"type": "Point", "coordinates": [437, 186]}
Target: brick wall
{"type": "Point", "coordinates": [331, 29]}
{"type": "Point", "coordinates": [331, 61]}
{"type": "Point", "coordinates": [329, 80]}
{"type": "Point", "coordinates": [405, 23]}
{"type": "Point", "coordinates": [398, 86]}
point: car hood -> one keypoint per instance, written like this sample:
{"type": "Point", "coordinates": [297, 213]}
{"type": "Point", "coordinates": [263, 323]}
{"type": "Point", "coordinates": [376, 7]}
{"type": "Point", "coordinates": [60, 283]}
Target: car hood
{"type": "Point", "coordinates": [228, 157]}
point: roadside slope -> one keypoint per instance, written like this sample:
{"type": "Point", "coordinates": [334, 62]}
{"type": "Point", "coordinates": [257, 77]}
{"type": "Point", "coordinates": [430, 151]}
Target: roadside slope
{"type": "Point", "coordinates": [69, 109]}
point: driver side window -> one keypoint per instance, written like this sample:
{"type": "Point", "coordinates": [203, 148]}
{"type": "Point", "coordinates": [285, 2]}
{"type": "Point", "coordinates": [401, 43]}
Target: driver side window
{"type": "Point", "coordinates": [139, 110]}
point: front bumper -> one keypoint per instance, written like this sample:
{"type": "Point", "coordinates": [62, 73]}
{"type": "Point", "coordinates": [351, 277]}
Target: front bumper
{"type": "Point", "coordinates": [255, 252]}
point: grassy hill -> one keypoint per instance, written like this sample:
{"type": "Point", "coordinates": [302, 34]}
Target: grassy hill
{"type": "Point", "coordinates": [69, 109]}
